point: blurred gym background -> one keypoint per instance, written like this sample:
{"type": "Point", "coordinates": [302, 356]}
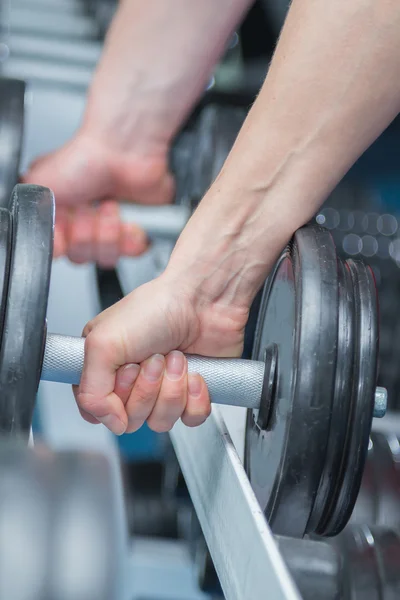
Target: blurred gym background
{"type": "Point", "coordinates": [54, 45]}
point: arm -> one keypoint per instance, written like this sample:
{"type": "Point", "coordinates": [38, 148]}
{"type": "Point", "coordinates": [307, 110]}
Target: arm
{"type": "Point", "coordinates": [333, 86]}
{"type": "Point", "coordinates": [157, 60]}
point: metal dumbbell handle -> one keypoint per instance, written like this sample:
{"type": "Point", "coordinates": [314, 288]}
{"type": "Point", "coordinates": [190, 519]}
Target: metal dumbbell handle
{"type": "Point", "coordinates": [159, 222]}
{"type": "Point", "coordinates": [230, 381]}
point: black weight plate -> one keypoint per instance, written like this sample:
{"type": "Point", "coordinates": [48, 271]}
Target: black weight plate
{"type": "Point", "coordinates": [299, 313]}
{"type": "Point", "coordinates": [32, 213]}
{"type": "Point", "coordinates": [330, 479]}
{"type": "Point", "coordinates": [5, 255]}
{"type": "Point", "coordinates": [12, 97]}
{"type": "Point", "coordinates": [361, 398]}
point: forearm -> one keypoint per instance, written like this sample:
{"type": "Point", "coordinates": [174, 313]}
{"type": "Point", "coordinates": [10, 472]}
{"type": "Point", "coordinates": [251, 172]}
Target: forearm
{"type": "Point", "coordinates": [332, 87]}
{"type": "Point", "coordinates": [157, 60]}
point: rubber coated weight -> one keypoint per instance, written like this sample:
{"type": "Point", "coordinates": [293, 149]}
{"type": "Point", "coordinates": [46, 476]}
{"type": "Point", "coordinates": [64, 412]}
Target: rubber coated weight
{"type": "Point", "coordinates": [305, 455]}
{"type": "Point", "coordinates": [299, 315]}
{"type": "Point", "coordinates": [12, 98]}
{"type": "Point", "coordinates": [23, 334]}
{"type": "Point", "coordinates": [60, 534]}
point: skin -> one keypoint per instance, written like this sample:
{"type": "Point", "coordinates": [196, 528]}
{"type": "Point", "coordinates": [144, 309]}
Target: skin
{"type": "Point", "coordinates": [331, 89]}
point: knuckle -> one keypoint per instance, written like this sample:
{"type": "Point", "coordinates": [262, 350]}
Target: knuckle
{"type": "Point", "coordinates": [143, 395]}
{"type": "Point", "coordinates": [159, 426]}
{"type": "Point", "coordinates": [88, 403]}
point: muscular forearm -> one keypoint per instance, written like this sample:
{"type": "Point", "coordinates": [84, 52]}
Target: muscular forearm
{"type": "Point", "coordinates": [332, 87]}
{"type": "Point", "coordinates": [158, 58]}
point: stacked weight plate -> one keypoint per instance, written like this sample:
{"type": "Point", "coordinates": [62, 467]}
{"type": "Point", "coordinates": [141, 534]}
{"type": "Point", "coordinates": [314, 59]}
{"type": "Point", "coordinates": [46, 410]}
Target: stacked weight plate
{"type": "Point", "coordinates": [361, 229]}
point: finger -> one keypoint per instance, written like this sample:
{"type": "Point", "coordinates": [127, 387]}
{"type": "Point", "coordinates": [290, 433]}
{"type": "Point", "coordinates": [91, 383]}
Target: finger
{"type": "Point", "coordinates": [145, 392]}
{"type": "Point", "coordinates": [124, 381]}
{"type": "Point", "coordinates": [60, 242]}
{"type": "Point", "coordinates": [81, 235]}
{"type": "Point", "coordinates": [198, 406]}
{"type": "Point", "coordinates": [95, 394]}
{"type": "Point", "coordinates": [172, 398]}
{"type": "Point", "coordinates": [133, 241]}
{"type": "Point", "coordinates": [160, 193]}
{"type": "Point", "coordinates": [108, 232]}
{"type": "Point", "coordinates": [88, 417]}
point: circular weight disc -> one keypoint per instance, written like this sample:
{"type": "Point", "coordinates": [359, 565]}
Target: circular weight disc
{"type": "Point", "coordinates": [298, 313]}
{"type": "Point", "coordinates": [61, 520]}
{"type": "Point", "coordinates": [362, 395]}
{"type": "Point", "coordinates": [12, 98]}
{"type": "Point", "coordinates": [5, 254]}
{"type": "Point", "coordinates": [32, 213]}
{"type": "Point", "coordinates": [339, 426]}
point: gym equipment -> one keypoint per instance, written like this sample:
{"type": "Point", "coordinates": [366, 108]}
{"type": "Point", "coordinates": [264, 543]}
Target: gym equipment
{"type": "Point", "coordinates": [378, 499]}
{"type": "Point", "coordinates": [362, 562]}
{"type": "Point", "coordinates": [371, 559]}
{"type": "Point", "coordinates": [12, 95]}
{"type": "Point", "coordinates": [61, 531]}
{"type": "Point", "coordinates": [28, 19]}
{"type": "Point", "coordinates": [315, 566]}
{"type": "Point", "coordinates": [48, 73]}
{"type": "Point", "coordinates": [342, 332]}
{"type": "Point", "coordinates": [364, 226]}
{"type": "Point", "coordinates": [60, 51]}
{"type": "Point", "coordinates": [314, 305]}
{"type": "Point", "coordinates": [102, 11]}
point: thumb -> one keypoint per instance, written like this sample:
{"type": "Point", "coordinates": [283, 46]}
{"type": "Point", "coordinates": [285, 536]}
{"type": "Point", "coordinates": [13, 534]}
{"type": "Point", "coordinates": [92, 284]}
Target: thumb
{"type": "Point", "coordinates": [76, 173]}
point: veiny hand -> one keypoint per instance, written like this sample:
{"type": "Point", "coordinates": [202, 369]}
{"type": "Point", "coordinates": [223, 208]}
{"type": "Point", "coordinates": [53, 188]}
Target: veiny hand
{"type": "Point", "coordinates": [135, 370]}
{"type": "Point", "coordinates": [87, 177]}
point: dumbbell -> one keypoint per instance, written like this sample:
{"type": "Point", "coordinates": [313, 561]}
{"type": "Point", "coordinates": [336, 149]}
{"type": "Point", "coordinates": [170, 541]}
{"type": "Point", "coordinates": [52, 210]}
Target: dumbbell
{"type": "Point", "coordinates": [62, 525]}
{"type": "Point", "coordinates": [310, 387]}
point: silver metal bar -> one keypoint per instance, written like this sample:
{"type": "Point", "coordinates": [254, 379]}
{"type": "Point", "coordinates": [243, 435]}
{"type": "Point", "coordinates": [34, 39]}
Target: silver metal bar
{"type": "Point", "coordinates": [231, 381]}
{"type": "Point", "coordinates": [244, 552]}
{"type": "Point", "coordinates": [33, 21]}
{"type": "Point", "coordinates": [61, 51]}
{"type": "Point", "coordinates": [34, 70]}
{"type": "Point", "coordinates": [161, 222]}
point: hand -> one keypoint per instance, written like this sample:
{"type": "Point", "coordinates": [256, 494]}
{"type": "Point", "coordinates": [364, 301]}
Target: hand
{"type": "Point", "coordinates": [84, 172]}
{"type": "Point", "coordinates": [134, 367]}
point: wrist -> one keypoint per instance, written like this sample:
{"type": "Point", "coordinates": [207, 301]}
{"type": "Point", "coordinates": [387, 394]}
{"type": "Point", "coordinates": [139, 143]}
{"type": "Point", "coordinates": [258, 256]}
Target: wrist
{"type": "Point", "coordinates": [226, 251]}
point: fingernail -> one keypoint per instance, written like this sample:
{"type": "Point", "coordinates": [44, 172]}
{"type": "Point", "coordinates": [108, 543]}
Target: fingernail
{"type": "Point", "coordinates": [113, 424]}
{"type": "Point", "coordinates": [175, 365]}
{"type": "Point", "coordinates": [128, 375]}
{"type": "Point", "coordinates": [195, 384]}
{"type": "Point", "coordinates": [154, 367]}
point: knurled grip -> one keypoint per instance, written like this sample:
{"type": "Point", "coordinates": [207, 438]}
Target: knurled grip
{"type": "Point", "coordinates": [230, 381]}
